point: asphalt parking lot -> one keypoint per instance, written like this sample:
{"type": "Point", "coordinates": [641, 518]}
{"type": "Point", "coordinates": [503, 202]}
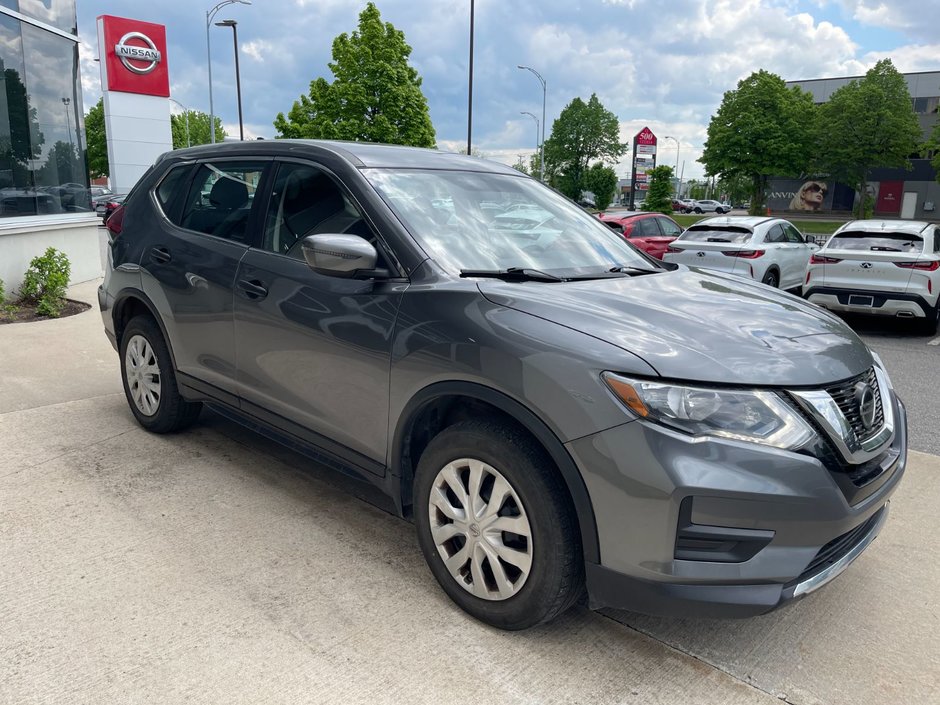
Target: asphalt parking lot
{"type": "Point", "coordinates": [213, 567]}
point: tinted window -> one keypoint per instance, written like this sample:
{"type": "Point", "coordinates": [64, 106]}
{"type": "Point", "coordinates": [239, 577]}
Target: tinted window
{"type": "Point", "coordinates": [645, 227]}
{"type": "Point", "coordinates": [669, 228]}
{"type": "Point", "coordinates": [936, 240]}
{"type": "Point", "coordinates": [877, 242]}
{"type": "Point", "coordinates": [793, 235]}
{"type": "Point", "coordinates": [307, 201]}
{"type": "Point", "coordinates": [220, 197]}
{"type": "Point", "coordinates": [775, 234]}
{"type": "Point", "coordinates": [703, 233]}
{"type": "Point", "coordinates": [171, 184]}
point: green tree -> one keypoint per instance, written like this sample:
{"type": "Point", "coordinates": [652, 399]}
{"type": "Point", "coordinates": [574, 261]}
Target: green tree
{"type": "Point", "coordinates": [583, 133]}
{"type": "Point", "coordinates": [199, 132]}
{"type": "Point", "coordinates": [761, 129]}
{"type": "Point", "coordinates": [659, 196]}
{"type": "Point", "coordinates": [21, 139]}
{"type": "Point", "coordinates": [602, 182]}
{"type": "Point", "coordinates": [96, 141]}
{"type": "Point", "coordinates": [375, 95]}
{"type": "Point", "coordinates": [866, 124]}
{"type": "Point", "coordinates": [520, 165]}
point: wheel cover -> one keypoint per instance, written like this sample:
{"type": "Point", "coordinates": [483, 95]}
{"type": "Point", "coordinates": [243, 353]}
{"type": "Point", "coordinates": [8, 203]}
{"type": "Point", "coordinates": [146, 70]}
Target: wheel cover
{"type": "Point", "coordinates": [142, 373]}
{"type": "Point", "coordinates": [480, 529]}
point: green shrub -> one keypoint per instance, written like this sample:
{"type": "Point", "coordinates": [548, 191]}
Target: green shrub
{"type": "Point", "coordinates": [3, 295]}
{"type": "Point", "coordinates": [46, 281]}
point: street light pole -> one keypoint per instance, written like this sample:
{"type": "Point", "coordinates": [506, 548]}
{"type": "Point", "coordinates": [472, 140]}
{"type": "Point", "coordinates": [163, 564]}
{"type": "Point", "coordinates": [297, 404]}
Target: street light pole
{"type": "Point", "coordinates": [209, 15]}
{"type": "Point", "coordinates": [470, 86]}
{"type": "Point", "coordinates": [238, 80]}
{"type": "Point", "coordinates": [68, 122]}
{"type": "Point", "coordinates": [525, 112]}
{"type": "Point", "coordinates": [679, 182]}
{"type": "Point", "coordinates": [544, 96]}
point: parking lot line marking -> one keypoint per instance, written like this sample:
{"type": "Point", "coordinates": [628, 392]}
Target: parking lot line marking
{"type": "Point", "coordinates": [935, 341]}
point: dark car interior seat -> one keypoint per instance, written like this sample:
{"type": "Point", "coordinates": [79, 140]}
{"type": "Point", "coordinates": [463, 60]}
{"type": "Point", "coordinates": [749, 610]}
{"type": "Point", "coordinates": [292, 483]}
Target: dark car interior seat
{"type": "Point", "coordinates": [227, 213]}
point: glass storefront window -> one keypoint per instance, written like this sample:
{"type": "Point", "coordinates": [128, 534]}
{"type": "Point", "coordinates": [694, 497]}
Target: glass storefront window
{"type": "Point", "coordinates": [42, 163]}
{"type": "Point", "coordinates": [58, 13]}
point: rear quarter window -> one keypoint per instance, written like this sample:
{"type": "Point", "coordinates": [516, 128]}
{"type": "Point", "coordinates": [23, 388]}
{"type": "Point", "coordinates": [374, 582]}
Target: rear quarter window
{"type": "Point", "coordinates": [170, 189]}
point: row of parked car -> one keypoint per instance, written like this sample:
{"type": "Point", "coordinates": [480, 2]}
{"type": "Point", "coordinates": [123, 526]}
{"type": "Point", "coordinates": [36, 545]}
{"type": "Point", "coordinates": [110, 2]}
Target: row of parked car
{"type": "Point", "coordinates": [889, 268]}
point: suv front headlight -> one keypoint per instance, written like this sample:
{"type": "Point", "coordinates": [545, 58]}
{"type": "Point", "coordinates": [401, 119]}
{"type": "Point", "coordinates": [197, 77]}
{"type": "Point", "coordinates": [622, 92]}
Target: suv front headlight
{"type": "Point", "coordinates": [744, 415]}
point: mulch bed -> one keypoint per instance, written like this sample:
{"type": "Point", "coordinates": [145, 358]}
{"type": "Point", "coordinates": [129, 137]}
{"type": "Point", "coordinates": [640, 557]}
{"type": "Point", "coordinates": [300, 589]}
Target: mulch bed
{"type": "Point", "coordinates": [27, 312]}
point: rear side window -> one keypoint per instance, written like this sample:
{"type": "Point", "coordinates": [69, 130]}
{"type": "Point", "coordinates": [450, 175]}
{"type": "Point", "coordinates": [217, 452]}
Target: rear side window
{"type": "Point", "coordinates": [220, 197]}
{"type": "Point", "coordinates": [703, 233]}
{"type": "Point", "coordinates": [645, 227]}
{"type": "Point", "coordinates": [876, 242]}
{"type": "Point", "coordinates": [167, 192]}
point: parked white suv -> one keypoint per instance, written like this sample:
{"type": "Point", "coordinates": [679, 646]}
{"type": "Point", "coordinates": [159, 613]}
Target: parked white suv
{"type": "Point", "coordinates": [770, 250]}
{"type": "Point", "coordinates": [887, 268]}
{"type": "Point", "coordinates": [710, 207]}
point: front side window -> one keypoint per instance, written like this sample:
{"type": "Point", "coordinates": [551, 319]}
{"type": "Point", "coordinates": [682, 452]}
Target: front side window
{"type": "Point", "coordinates": [307, 201]}
{"type": "Point", "coordinates": [670, 229]}
{"type": "Point", "coordinates": [775, 234]}
{"type": "Point", "coordinates": [220, 198]}
{"type": "Point", "coordinates": [646, 227]}
{"type": "Point", "coordinates": [485, 221]}
{"type": "Point", "coordinates": [793, 235]}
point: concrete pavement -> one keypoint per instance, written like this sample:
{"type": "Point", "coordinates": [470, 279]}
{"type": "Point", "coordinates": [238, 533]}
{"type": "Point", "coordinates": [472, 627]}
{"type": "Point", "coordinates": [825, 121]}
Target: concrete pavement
{"type": "Point", "coordinates": [207, 567]}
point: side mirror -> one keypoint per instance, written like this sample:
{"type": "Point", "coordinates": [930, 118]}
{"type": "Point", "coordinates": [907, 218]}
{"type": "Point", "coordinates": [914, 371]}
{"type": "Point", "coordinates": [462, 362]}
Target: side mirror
{"type": "Point", "coordinates": [336, 255]}
{"type": "Point", "coordinates": [811, 239]}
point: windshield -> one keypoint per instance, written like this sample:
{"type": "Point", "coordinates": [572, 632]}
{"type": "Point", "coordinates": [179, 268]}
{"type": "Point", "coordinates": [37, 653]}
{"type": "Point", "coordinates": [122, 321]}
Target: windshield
{"type": "Point", "coordinates": [878, 242]}
{"type": "Point", "coordinates": [482, 221]}
{"type": "Point", "coordinates": [705, 234]}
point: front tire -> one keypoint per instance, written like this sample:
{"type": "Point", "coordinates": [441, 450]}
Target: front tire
{"type": "Point", "coordinates": [719, 211]}
{"type": "Point", "coordinates": [150, 380]}
{"type": "Point", "coordinates": [697, 210]}
{"type": "Point", "coordinates": [496, 525]}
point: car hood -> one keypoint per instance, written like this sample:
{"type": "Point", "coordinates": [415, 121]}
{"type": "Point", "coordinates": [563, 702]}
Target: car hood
{"type": "Point", "coordinates": [691, 324]}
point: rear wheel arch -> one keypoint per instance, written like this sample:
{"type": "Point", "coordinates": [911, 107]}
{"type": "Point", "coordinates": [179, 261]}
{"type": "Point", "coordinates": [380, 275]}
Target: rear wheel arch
{"type": "Point", "coordinates": [130, 303]}
{"type": "Point", "coordinates": [440, 405]}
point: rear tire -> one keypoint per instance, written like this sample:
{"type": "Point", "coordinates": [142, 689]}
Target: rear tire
{"type": "Point", "coordinates": [771, 278]}
{"type": "Point", "coordinates": [506, 579]}
{"type": "Point", "coordinates": [150, 380]}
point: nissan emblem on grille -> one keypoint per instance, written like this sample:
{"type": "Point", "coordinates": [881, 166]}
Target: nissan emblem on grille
{"type": "Point", "coordinates": [865, 398]}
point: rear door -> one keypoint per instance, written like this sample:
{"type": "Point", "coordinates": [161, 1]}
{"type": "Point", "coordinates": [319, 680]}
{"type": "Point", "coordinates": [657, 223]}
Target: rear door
{"type": "Point", "coordinates": [188, 271]}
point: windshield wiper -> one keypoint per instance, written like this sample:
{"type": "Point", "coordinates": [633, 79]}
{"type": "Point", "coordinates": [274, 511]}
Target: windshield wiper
{"type": "Point", "coordinates": [513, 274]}
{"type": "Point", "coordinates": [623, 269]}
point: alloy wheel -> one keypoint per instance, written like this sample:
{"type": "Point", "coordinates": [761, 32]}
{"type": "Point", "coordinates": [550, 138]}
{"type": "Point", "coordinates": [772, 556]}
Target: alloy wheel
{"type": "Point", "coordinates": [142, 372]}
{"type": "Point", "coordinates": [480, 529]}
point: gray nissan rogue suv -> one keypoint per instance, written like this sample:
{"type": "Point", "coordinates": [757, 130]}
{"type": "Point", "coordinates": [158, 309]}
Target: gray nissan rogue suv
{"type": "Point", "coordinates": [555, 410]}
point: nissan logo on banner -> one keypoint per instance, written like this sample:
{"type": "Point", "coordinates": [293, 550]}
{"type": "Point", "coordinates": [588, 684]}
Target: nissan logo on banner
{"type": "Point", "coordinates": [148, 54]}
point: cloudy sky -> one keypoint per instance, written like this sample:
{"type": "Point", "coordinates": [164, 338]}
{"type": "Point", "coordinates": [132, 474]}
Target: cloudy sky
{"type": "Point", "coordinates": [661, 63]}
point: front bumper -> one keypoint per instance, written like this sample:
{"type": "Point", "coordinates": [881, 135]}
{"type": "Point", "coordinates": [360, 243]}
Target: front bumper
{"type": "Point", "coordinates": [638, 476]}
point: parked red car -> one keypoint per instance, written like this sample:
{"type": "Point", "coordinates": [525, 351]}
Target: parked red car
{"type": "Point", "coordinates": [651, 232]}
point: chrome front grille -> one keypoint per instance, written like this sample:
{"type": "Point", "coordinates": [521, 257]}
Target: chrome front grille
{"type": "Point", "coordinates": [835, 410]}
{"type": "Point", "coordinates": [844, 395]}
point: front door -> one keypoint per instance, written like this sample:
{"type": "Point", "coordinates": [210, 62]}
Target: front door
{"type": "Point", "coordinates": [313, 351]}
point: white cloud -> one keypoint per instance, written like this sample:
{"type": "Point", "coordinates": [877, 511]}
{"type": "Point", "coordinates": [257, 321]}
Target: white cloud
{"type": "Point", "coordinates": [919, 18]}
{"type": "Point", "coordinates": [257, 49]}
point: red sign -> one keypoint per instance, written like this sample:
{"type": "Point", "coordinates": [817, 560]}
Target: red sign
{"type": "Point", "coordinates": [135, 53]}
{"type": "Point", "coordinates": [889, 197]}
{"type": "Point", "coordinates": [645, 136]}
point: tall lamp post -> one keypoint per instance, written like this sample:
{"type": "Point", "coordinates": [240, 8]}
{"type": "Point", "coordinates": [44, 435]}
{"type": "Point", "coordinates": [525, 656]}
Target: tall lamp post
{"type": "Point", "coordinates": [526, 112]}
{"type": "Point", "coordinates": [185, 118]}
{"type": "Point", "coordinates": [679, 182]}
{"type": "Point", "coordinates": [210, 14]}
{"type": "Point", "coordinates": [470, 84]}
{"type": "Point", "coordinates": [544, 94]}
{"type": "Point", "coordinates": [238, 79]}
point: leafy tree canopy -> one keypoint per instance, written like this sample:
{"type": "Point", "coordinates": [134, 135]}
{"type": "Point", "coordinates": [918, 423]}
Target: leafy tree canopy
{"type": "Point", "coordinates": [583, 133]}
{"type": "Point", "coordinates": [866, 124]}
{"type": "Point", "coordinates": [375, 95]}
{"type": "Point", "coordinates": [199, 132]}
{"type": "Point", "coordinates": [96, 141]}
{"type": "Point", "coordinates": [761, 129]}
{"type": "Point", "coordinates": [602, 182]}
{"type": "Point", "coordinates": [659, 196]}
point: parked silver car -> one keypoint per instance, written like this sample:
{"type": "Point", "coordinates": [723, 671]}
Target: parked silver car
{"type": "Point", "coordinates": [707, 206]}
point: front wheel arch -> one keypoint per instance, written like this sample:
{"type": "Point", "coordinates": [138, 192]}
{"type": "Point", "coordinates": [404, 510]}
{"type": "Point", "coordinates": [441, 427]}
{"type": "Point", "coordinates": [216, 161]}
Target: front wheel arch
{"type": "Point", "coordinates": [432, 404]}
